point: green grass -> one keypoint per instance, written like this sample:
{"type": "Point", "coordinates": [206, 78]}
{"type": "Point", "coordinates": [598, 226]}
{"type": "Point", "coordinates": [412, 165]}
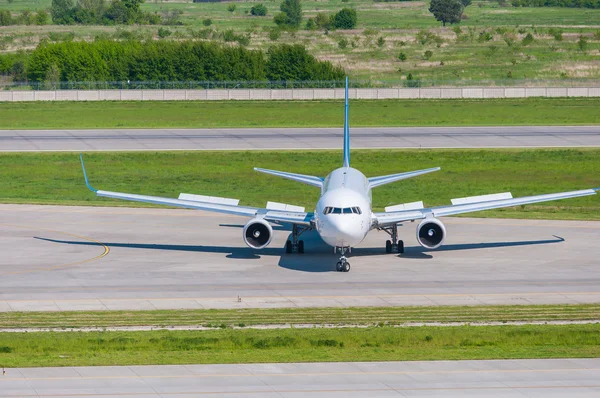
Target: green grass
{"type": "Point", "coordinates": [296, 316]}
{"type": "Point", "coordinates": [55, 178]}
{"type": "Point", "coordinates": [298, 345]}
{"type": "Point", "coordinates": [222, 114]}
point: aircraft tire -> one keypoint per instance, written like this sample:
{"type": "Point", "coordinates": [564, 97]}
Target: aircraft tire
{"type": "Point", "coordinates": [301, 246]}
{"type": "Point", "coordinates": [347, 267]}
{"type": "Point", "coordinates": [400, 246]}
{"type": "Point", "coordinates": [288, 247]}
{"type": "Point", "coordinates": [339, 267]}
{"type": "Point", "coordinates": [388, 246]}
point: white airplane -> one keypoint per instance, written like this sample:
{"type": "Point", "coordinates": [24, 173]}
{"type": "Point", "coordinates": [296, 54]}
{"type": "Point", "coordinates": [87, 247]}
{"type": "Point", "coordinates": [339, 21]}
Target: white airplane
{"type": "Point", "coordinates": [343, 216]}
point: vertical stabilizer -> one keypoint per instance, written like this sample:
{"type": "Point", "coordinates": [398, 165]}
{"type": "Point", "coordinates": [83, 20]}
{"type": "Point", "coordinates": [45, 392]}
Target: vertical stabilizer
{"type": "Point", "coordinates": [346, 131]}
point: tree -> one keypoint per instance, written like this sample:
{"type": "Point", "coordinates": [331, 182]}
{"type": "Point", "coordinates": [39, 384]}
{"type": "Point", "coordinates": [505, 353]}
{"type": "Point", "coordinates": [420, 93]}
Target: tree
{"type": "Point", "coordinates": [62, 12]}
{"type": "Point", "coordinates": [446, 11]}
{"type": "Point", "coordinates": [259, 10]}
{"type": "Point", "coordinates": [345, 19]}
{"type": "Point", "coordinates": [42, 18]}
{"type": "Point", "coordinates": [290, 15]}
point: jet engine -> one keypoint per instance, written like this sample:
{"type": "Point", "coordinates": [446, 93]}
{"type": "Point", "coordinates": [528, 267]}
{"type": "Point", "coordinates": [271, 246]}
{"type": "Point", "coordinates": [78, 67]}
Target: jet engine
{"type": "Point", "coordinates": [431, 233]}
{"type": "Point", "coordinates": [258, 233]}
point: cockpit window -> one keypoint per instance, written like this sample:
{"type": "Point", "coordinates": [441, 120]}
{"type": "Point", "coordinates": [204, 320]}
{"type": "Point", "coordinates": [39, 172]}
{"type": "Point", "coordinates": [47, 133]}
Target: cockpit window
{"type": "Point", "coordinates": [339, 210]}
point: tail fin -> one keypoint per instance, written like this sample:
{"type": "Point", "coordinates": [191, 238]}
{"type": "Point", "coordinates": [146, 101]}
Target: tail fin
{"type": "Point", "coordinates": [346, 131]}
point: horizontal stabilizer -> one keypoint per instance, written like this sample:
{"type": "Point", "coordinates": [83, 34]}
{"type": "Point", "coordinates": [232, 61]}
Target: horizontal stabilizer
{"type": "Point", "coordinates": [481, 198]}
{"type": "Point", "coordinates": [208, 199]}
{"type": "Point", "coordinates": [305, 179]}
{"type": "Point", "coordinates": [382, 180]}
{"type": "Point", "coordinates": [284, 207]}
{"type": "Point", "coordinates": [405, 206]}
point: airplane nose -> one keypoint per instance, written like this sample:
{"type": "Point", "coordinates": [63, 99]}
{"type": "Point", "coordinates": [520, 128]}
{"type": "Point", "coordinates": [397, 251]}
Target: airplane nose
{"type": "Point", "coordinates": [346, 231]}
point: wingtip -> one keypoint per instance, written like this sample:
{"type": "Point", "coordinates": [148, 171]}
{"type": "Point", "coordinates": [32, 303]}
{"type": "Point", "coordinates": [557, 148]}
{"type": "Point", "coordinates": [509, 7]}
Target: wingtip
{"type": "Point", "coordinates": [87, 183]}
{"type": "Point", "coordinates": [596, 189]}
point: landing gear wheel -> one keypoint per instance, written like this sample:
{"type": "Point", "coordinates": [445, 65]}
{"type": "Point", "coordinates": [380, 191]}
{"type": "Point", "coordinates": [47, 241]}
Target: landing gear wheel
{"type": "Point", "coordinates": [288, 247]}
{"type": "Point", "coordinates": [346, 267]}
{"type": "Point", "coordinates": [339, 266]}
{"type": "Point", "coordinates": [301, 246]}
{"type": "Point", "coordinates": [400, 246]}
{"type": "Point", "coordinates": [388, 246]}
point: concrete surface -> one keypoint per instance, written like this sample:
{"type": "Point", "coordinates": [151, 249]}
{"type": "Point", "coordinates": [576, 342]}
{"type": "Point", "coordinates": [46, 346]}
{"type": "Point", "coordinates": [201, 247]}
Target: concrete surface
{"type": "Point", "coordinates": [570, 378]}
{"type": "Point", "coordinates": [299, 138]}
{"type": "Point", "coordinates": [88, 258]}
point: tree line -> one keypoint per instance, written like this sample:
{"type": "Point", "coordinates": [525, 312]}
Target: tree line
{"type": "Point", "coordinates": [106, 60]}
{"type": "Point", "coordinates": [101, 12]}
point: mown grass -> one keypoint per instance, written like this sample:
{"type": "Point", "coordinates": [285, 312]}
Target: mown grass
{"type": "Point", "coordinates": [298, 345]}
{"type": "Point", "coordinates": [56, 178]}
{"type": "Point", "coordinates": [297, 316]}
{"type": "Point", "coordinates": [224, 114]}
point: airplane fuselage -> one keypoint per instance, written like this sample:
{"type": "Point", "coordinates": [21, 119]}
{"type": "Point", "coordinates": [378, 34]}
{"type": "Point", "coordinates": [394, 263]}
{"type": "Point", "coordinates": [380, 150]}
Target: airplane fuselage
{"type": "Point", "coordinates": [343, 213]}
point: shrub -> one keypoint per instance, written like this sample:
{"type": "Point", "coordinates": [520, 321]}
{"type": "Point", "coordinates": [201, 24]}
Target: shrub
{"type": "Point", "coordinates": [231, 8]}
{"type": "Point", "coordinates": [164, 32]}
{"type": "Point", "coordinates": [207, 22]}
{"type": "Point", "coordinates": [42, 18]}
{"type": "Point", "coordinates": [527, 40]}
{"type": "Point", "coordinates": [597, 35]}
{"type": "Point", "coordinates": [345, 19]}
{"type": "Point", "coordinates": [428, 54]}
{"type": "Point", "coordinates": [343, 43]}
{"type": "Point", "coordinates": [258, 10]}
{"type": "Point", "coordinates": [380, 42]}
{"type": "Point", "coordinates": [290, 15]}
{"type": "Point", "coordinates": [402, 57]}
{"type": "Point", "coordinates": [274, 34]}
{"type": "Point", "coordinates": [323, 20]}
{"type": "Point", "coordinates": [582, 43]}
{"type": "Point", "coordinates": [556, 33]}
{"type": "Point", "coordinates": [485, 36]}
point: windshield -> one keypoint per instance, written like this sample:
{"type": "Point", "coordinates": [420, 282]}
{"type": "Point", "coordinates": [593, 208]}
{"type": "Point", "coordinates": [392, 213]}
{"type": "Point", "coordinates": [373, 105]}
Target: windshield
{"type": "Point", "coordinates": [342, 210]}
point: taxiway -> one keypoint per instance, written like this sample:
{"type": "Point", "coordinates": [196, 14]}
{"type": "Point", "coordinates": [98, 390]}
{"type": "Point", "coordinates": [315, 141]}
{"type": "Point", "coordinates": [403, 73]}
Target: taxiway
{"type": "Point", "coordinates": [94, 258]}
{"type": "Point", "coordinates": [497, 378]}
{"type": "Point", "coordinates": [299, 138]}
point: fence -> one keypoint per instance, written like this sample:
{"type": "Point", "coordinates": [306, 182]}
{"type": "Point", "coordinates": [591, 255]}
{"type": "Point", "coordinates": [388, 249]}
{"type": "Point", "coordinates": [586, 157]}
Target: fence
{"type": "Point", "coordinates": [298, 94]}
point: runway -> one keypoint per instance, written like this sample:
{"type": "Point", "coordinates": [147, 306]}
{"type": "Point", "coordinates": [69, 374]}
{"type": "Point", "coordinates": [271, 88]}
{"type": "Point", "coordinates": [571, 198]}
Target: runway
{"type": "Point", "coordinates": [92, 258]}
{"type": "Point", "coordinates": [299, 138]}
{"type": "Point", "coordinates": [530, 378]}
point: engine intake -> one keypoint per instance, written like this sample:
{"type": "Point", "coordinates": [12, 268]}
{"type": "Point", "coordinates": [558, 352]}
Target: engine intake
{"type": "Point", "coordinates": [258, 233]}
{"type": "Point", "coordinates": [431, 233]}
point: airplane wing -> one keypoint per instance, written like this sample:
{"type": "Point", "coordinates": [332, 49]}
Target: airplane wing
{"type": "Point", "coordinates": [464, 205]}
{"type": "Point", "coordinates": [277, 216]}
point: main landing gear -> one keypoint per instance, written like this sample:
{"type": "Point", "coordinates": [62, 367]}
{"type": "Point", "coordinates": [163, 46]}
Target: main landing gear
{"type": "Point", "coordinates": [342, 265]}
{"type": "Point", "coordinates": [295, 245]}
{"type": "Point", "coordinates": [394, 245]}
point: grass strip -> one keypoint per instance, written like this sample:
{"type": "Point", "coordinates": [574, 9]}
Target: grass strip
{"type": "Point", "coordinates": [224, 114]}
{"type": "Point", "coordinates": [298, 345]}
{"type": "Point", "coordinates": [295, 316]}
{"type": "Point", "coordinates": [56, 178]}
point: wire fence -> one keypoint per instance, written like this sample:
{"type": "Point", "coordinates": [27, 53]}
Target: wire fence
{"type": "Point", "coordinates": [288, 84]}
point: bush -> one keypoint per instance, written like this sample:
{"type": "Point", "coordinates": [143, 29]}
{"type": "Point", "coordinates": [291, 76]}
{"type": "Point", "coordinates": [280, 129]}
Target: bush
{"type": "Point", "coordinates": [527, 40]}
{"type": "Point", "coordinates": [258, 10]}
{"type": "Point", "coordinates": [207, 22]}
{"type": "Point", "coordinates": [231, 8]}
{"type": "Point", "coordinates": [402, 57]}
{"type": "Point", "coordinates": [42, 18]}
{"type": "Point", "coordinates": [582, 43]}
{"type": "Point", "coordinates": [290, 15]}
{"type": "Point", "coordinates": [556, 33]}
{"type": "Point", "coordinates": [485, 36]}
{"type": "Point", "coordinates": [293, 62]}
{"type": "Point", "coordinates": [345, 19]}
{"type": "Point", "coordinates": [164, 32]}
{"type": "Point", "coordinates": [380, 42]}
{"type": "Point", "coordinates": [428, 54]}
{"type": "Point", "coordinates": [274, 34]}
{"type": "Point", "coordinates": [343, 43]}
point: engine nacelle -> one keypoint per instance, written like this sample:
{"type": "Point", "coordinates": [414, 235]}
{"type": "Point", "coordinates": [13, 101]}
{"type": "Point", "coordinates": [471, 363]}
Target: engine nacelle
{"type": "Point", "coordinates": [431, 233]}
{"type": "Point", "coordinates": [258, 233]}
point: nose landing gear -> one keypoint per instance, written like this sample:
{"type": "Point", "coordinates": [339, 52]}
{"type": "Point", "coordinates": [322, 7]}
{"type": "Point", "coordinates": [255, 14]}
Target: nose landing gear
{"type": "Point", "coordinates": [342, 265]}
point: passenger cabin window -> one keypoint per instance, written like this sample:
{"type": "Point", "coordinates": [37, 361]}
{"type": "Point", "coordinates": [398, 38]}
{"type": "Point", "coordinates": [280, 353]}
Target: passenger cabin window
{"type": "Point", "coordinates": [339, 210]}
